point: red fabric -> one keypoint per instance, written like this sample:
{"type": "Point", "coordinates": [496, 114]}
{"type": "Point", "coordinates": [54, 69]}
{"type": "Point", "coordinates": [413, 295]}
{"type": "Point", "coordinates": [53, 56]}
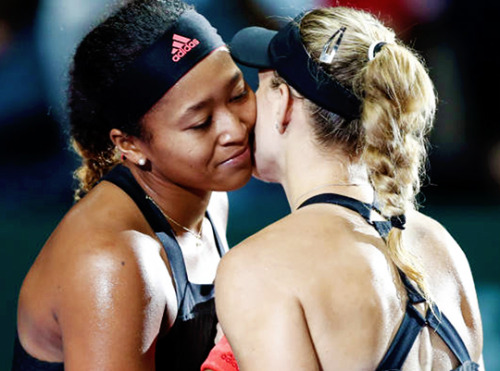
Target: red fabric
{"type": "Point", "coordinates": [396, 13]}
{"type": "Point", "coordinates": [221, 358]}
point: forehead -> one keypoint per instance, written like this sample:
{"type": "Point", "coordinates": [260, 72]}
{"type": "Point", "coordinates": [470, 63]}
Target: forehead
{"type": "Point", "coordinates": [210, 78]}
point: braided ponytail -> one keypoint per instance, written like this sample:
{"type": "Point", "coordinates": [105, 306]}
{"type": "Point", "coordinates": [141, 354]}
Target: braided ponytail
{"type": "Point", "coordinates": [397, 113]}
{"type": "Point", "coordinates": [398, 110]}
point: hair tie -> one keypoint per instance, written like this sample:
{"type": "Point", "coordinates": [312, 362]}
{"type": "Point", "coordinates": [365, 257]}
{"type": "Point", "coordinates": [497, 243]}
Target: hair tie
{"type": "Point", "coordinates": [375, 48]}
{"type": "Point", "coordinates": [398, 221]}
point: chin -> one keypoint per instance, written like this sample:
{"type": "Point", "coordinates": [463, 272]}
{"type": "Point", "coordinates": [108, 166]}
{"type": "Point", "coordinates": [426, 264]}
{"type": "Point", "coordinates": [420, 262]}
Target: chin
{"type": "Point", "coordinates": [265, 176]}
{"type": "Point", "coordinates": [265, 168]}
{"type": "Point", "coordinates": [236, 181]}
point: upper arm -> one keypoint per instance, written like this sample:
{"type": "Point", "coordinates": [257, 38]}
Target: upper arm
{"type": "Point", "coordinates": [262, 319]}
{"type": "Point", "coordinates": [110, 310]}
{"type": "Point", "coordinates": [449, 271]}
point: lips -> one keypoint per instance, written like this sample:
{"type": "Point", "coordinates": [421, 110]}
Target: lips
{"type": "Point", "coordinates": [238, 156]}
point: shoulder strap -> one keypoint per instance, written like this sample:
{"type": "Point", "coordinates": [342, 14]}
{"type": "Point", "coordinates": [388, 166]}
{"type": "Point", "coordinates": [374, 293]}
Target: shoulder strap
{"type": "Point", "coordinates": [176, 260]}
{"type": "Point", "coordinates": [218, 241]}
{"type": "Point", "coordinates": [362, 208]}
{"type": "Point", "coordinates": [446, 331]}
{"type": "Point", "coordinates": [437, 320]}
{"type": "Point", "coordinates": [413, 321]}
{"type": "Point", "coordinates": [412, 324]}
{"type": "Point", "coordinates": [408, 331]}
{"type": "Point", "coordinates": [123, 178]}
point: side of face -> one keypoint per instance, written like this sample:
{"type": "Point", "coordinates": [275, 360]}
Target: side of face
{"type": "Point", "coordinates": [197, 135]}
{"type": "Point", "coordinates": [266, 146]}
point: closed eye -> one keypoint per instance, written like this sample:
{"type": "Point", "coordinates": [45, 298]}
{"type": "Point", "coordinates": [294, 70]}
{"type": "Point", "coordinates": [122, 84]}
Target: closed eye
{"type": "Point", "coordinates": [241, 96]}
{"type": "Point", "coordinates": [205, 124]}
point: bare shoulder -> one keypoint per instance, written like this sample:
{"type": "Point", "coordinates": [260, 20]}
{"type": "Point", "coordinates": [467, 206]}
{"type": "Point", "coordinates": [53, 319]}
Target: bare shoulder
{"type": "Point", "coordinates": [433, 240]}
{"type": "Point", "coordinates": [255, 260]}
{"type": "Point", "coordinates": [121, 279]}
{"type": "Point", "coordinates": [276, 288]}
{"type": "Point", "coordinates": [256, 305]}
{"type": "Point", "coordinates": [277, 248]}
{"type": "Point", "coordinates": [99, 268]}
{"type": "Point", "coordinates": [256, 251]}
{"type": "Point", "coordinates": [444, 259]}
{"type": "Point", "coordinates": [449, 274]}
{"type": "Point", "coordinates": [103, 239]}
{"type": "Point", "coordinates": [278, 258]}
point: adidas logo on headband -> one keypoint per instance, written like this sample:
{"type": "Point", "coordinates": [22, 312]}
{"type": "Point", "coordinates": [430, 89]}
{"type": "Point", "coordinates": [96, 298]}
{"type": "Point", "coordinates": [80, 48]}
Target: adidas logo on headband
{"type": "Point", "coordinates": [181, 46]}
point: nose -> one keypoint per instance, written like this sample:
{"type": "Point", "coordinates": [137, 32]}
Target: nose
{"type": "Point", "coordinates": [233, 131]}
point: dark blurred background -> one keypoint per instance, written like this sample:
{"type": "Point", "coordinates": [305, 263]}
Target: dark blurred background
{"type": "Point", "coordinates": [459, 41]}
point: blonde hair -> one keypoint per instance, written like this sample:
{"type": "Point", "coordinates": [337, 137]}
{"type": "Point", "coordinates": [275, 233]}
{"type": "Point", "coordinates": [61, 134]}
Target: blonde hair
{"type": "Point", "coordinates": [397, 113]}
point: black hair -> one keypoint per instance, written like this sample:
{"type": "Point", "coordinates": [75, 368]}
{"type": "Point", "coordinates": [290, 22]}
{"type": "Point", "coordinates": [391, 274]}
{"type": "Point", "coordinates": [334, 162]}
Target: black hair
{"type": "Point", "coordinates": [99, 60]}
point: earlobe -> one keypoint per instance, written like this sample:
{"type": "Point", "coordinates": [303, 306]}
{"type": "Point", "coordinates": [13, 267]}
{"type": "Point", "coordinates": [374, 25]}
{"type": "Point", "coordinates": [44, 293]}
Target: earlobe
{"type": "Point", "coordinates": [127, 146]}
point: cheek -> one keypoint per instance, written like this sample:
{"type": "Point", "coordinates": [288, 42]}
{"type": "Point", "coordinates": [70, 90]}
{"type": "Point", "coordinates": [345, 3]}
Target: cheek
{"type": "Point", "coordinates": [262, 116]}
{"type": "Point", "coordinates": [249, 110]}
{"type": "Point", "coordinates": [188, 150]}
{"type": "Point", "coordinates": [265, 142]}
{"type": "Point", "coordinates": [263, 135]}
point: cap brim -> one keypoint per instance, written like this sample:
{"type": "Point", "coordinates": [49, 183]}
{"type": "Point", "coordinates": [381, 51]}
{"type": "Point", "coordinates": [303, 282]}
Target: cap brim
{"type": "Point", "coordinates": [250, 47]}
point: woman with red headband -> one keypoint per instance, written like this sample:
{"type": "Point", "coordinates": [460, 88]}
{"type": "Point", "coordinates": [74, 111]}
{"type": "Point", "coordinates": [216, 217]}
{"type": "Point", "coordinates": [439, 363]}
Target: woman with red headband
{"type": "Point", "coordinates": [161, 117]}
{"type": "Point", "coordinates": [355, 278]}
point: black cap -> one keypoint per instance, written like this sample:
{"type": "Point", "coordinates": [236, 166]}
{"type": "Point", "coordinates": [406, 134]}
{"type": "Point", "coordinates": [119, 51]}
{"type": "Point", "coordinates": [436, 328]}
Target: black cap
{"type": "Point", "coordinates": [255, 53]}
{"type": "Point", "coordinates": [284, 51]}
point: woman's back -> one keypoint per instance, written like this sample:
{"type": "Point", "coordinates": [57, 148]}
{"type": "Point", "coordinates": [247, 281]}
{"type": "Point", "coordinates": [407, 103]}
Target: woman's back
{"type": "Point", "coordinates": [345, 107]}
{"type": "Point", "coordinates": [325, 270]}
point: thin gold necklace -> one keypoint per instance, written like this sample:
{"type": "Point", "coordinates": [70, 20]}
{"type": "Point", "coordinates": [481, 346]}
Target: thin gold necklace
{"type": "Point", "coordinates": [297, 199]}
{"type": "Point", "coordinates": [198, 235]}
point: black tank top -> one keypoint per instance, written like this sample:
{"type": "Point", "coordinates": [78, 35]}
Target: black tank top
{"type": "Point", "coordinates": [413, 321]}
{"type": "Point", "coordinates": [192, 335]}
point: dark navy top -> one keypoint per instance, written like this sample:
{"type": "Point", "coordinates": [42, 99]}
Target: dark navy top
{"type": "Point", "coordinates": [413, 321]}
{"type": "Point", "coordinates": [192, 335]}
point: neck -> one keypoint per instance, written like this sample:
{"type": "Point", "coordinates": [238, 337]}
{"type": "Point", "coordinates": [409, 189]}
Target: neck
{"type": "Point", "coordinates": [306, 168]}
{"type": "Point", "coordinates": [186, 206]}
{"type": "Point", "coordinates": [311, 171]}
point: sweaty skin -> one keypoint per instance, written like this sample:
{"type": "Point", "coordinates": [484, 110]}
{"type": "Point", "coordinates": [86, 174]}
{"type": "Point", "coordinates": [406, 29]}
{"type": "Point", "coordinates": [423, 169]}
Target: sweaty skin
{"type": "Point", "coordinates": [316, 290]}
{"type": "Point", "coordinates": [102, 283]}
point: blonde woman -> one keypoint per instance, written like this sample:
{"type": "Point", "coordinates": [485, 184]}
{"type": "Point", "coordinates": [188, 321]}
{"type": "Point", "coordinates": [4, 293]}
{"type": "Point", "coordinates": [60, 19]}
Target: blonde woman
{"type": "Point", "coordinates": [355, 278]}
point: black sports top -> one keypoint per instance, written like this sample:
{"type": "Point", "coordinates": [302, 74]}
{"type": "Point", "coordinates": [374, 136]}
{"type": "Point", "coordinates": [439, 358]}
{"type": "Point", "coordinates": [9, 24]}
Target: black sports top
{"type": "Point", "coordinates": [192, 335]}
{"type": "Point", "coordinates": [413, 321]}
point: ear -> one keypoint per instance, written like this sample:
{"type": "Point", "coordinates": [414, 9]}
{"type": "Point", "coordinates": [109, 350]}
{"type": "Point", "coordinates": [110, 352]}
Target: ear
{"type": "Point", "coordinates": [128, 146]}
{"type": "Point", "coordinates": [285, 108]}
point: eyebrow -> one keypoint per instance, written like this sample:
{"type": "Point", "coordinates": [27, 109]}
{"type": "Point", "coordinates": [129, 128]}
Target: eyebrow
{"type": "Point", "coordinates": [200, 105]}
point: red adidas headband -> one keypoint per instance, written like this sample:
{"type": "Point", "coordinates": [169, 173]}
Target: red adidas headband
{"type": "Point", "coordinates": [162, 65]}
